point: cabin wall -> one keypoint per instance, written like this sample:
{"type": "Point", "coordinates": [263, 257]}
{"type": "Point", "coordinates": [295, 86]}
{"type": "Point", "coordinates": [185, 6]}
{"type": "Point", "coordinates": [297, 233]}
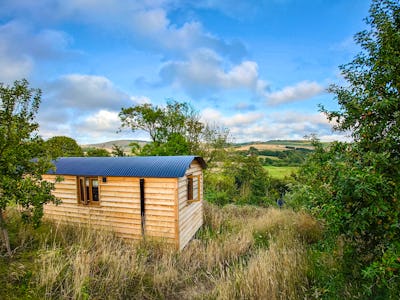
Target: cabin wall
{"type": "Point", "coordinates": [119, 206]}
{"type": "Point", "coordinates": [190, 215]}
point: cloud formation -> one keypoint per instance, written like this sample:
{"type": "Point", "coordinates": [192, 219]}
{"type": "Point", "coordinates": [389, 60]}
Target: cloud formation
{"type": "Point", "coordinates": [180, 48]}
{"type": "Point", "coordinates": [210, 115]}
{"type": "Point", "coordinates": [84, 106]}
{"type": "Point", "coordinates": [86, 92]}
{"type": "Point", "coordinates": [300, 91]}
{"type": "Point", "coordinates": [203, 73]}
{"type": "Point", "coordinates": [21, 47]}
{"type": "Point", "coordinates": [275, 125]}
{"type": "Point", "coordinates": [147, 22]}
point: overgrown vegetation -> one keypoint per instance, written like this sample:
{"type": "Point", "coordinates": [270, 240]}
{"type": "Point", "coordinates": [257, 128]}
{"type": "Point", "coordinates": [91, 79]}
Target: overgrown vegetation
{"type": "Point", "coordinates": [23, 156]}
{"type": "Point", "coordinates": [241, 252]}
{"type": "Point", "coordinates": [243, 180]}
{"type": "Point", "coordinates": [355, 187]}
{"type": "Point", "coordinates": [58, 146]}
{"type": "Point", "coordinates": [290, 156]}
{"type": "Point", "coordinates": [245, 252]}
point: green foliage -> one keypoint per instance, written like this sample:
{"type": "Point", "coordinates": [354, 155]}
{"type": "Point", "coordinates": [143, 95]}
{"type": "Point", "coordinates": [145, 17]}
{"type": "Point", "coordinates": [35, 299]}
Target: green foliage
{"type": "Point", "coordinates": [117, 150]}
{"type": "Point", "coordinates": [59, 146]}
{"type": "Point", "coordinates": [351, 191]}
{"type": "Point", "coordinates": [219, 188]}
{"type": "Point", "coordinates": [23, 157]}
{"type": "Point", "coordinates": [355, 187]}
{"type": "Point", "coordinates": [370, 102]}
{"type": "Point", "coordinates": [215, 143]}
{"type": "Point", "coordinates": [241, 180]}
{"type": "Point", "coordinates": [281, 172]}
{"type": "Point", "coordinates": [291, 157]}
{"type": "Point", "coordinates": [97, 152]}
{"type": "Point", "coordinates": [174, 129]}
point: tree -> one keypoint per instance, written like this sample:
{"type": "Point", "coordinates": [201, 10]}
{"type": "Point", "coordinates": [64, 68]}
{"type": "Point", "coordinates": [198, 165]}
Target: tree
{"type": "Point", "coordinates": [97, 152]}
{"type": "Point", "coordinates": [241, 180]}
{"type": "Point", "coordinates": [117, 150]}
{"type": "Point", "coordinates": [174, 129]}
{"type": "Point", "coordinates": [215, 144]}
{"type": "Point", "coordinates": [355, 187]}
{"type": "Point", "coordinates": [23, 158]}
{"type": "Point", "coordinates": [370, 103]}
{"type": "Point", "coordinates": [59, 146]}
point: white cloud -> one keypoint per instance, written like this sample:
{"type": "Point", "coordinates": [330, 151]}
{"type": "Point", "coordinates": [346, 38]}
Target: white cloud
{"type": "Point", "coordinates": [204, 72]}
{"type": "Point", "coordinates": [100, 123]}
{"type": "Point", "coordinates": [21, 47]}
{"type": "Point", "coordinates": [210, 115]}
{"type": "Point", "coordinates": [243, 119]}
{"type": "Point", "coordinates": [18, 36]}
{"type": "Point", "coordinates": [86, 92]}
{"type": "Point", "coordinates": [146, 21]}
{"type": "Point", "coordinates": [14, 68]}
{"type": "Point", "coordinates": [300, 91]}
{"type": "Point", "coordinates": [275, 125]}
{"type": "Point", "coordinates": [84, 107]}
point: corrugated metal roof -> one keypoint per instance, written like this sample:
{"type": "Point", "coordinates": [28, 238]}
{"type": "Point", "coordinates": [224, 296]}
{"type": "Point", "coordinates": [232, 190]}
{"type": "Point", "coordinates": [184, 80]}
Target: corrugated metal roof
{"type": "Point", "coordinates": [132, 166]}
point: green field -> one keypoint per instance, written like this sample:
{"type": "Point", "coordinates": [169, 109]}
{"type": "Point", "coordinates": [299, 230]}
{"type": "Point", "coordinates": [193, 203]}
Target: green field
{"type": "Point", "coordinates": [280, 172]}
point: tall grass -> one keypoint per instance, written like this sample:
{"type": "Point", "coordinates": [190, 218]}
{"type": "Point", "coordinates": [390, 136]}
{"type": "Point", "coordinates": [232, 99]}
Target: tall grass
{"type": "Point", "coordinates": [240, 253]}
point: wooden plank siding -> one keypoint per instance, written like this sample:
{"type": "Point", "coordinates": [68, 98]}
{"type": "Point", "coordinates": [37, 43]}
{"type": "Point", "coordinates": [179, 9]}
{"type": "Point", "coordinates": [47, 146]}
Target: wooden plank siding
{"type": "Point", "coordinates": [119, 206]}
{"type": "Point", "coordinates": [168, 213]}
{"type": "Point", "coordinates": [190, 214]}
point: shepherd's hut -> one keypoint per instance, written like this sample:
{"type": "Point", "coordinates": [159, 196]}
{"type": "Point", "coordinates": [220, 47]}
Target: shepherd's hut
{"type": "Point", "coordinates": [136, 197]}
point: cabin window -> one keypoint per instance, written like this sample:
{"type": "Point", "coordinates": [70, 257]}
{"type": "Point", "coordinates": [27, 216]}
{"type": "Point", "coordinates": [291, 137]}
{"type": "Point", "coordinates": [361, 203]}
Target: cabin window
{"type": "Point", "coordinates": [88, 190]}
{"type": "Point", "coordinates": [193, 188]}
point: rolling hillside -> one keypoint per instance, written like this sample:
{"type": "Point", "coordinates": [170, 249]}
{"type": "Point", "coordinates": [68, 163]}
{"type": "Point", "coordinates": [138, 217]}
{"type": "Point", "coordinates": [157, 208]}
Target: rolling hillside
{"type": "Point", "coordinates": [275, 145]}
{"type": "Point", "coordinates": [109, 145]}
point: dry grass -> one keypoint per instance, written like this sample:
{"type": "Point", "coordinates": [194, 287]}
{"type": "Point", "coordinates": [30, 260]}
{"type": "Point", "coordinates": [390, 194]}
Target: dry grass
{"type": "Point", "coordinates": [241, 253]}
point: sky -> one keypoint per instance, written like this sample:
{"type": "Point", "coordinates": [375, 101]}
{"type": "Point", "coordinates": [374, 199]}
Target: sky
{"type": "Point", "coordinates": [259, 68]}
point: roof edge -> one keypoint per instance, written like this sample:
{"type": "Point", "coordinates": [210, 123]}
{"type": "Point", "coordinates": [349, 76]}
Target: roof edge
{"type": "Point", "coordinates": [201, 161]}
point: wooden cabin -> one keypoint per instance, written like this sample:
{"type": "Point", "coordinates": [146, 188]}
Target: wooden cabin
{"type": "Point", "coordinates": [137, 197]}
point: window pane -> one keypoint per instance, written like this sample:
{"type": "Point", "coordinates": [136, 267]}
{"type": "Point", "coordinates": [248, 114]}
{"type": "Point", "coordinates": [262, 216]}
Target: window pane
{"type": "Point", "coordinates": [195, 187]}
{"type": "Point", "coordinates": [82, 189]}
{"type": "Point", "coordinates": [190, 188]}
{"type": "Point", "coordinates": [95, 190]}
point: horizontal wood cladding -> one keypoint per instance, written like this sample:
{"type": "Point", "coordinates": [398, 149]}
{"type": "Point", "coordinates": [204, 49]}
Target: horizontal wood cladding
{"type": "Point", "coordinates": [190, 214]}
{"type": "Point", "coordinates": [119, 206]}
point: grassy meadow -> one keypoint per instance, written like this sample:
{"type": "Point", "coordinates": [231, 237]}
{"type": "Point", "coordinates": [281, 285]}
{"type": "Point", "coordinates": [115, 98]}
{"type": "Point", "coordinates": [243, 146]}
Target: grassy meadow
{"type": "Point", "coordinates": [280, 172]}
{"type": "Point", "coordinates": [241, 252]}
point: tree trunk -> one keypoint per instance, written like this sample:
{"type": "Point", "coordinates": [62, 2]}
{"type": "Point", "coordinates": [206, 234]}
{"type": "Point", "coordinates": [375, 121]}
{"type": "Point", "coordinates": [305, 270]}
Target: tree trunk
{"type": "Point", "coordinates": [4, 233]}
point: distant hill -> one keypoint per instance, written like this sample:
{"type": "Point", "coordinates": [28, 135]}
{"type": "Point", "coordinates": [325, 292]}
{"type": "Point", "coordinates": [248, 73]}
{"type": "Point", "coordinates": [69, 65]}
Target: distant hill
{"type": "Point", "coordinates": [109, 145]}
{"type": "Point", "coordinates": [276, 145]}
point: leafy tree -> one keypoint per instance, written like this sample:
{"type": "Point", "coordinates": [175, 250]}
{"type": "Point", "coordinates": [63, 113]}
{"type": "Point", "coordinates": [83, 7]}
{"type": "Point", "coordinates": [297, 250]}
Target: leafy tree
{"type": "Point", "coordinates": [215, 145]}
{"type": "Point", "coordinates": [117, 150]}
{"type": "Point", "coordinates": [23, 158]}
{"type": "Point", "coordinates": [97, 152]}
{"type": "Point", "coordinates": [174, 129]}
{"type": "Point", "coordinates": [241, 180]}
{"type": "Point", "coordinates": [59, 146]}
{"type": "Point", "coordinates": [356, 187]}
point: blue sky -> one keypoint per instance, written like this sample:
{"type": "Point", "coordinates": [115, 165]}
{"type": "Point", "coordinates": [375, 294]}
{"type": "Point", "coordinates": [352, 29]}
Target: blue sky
{"type": "Point", "coordinates": [259, 68]}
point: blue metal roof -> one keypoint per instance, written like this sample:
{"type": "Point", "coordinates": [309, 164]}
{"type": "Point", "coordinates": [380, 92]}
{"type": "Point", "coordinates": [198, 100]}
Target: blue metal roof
{"type": "Point", "coordinates": [132, 166]}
